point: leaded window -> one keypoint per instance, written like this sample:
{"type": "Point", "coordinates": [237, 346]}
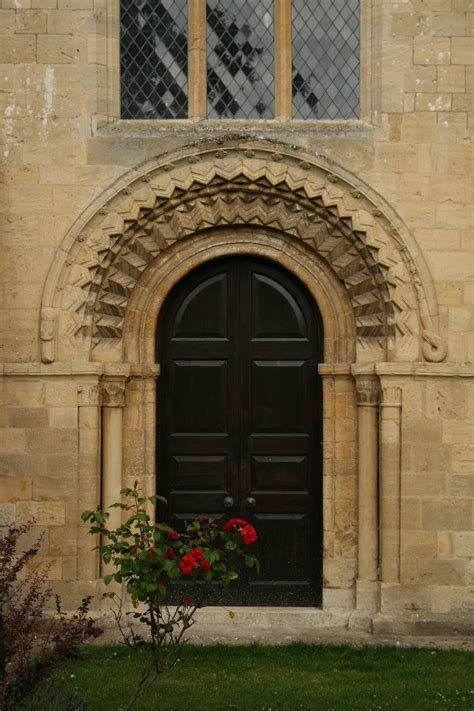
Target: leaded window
{"type": "Point", "coordinates": [240, 59]}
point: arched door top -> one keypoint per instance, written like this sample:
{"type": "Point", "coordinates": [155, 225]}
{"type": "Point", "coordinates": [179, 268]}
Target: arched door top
{"type": "Point", "coordinates": [363, 243]}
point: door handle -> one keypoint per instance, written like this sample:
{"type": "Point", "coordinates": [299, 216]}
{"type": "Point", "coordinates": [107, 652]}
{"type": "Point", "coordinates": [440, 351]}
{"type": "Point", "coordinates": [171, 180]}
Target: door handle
{"type": "Point", "coordinates": [250, 502]}
{"type": "Point", "coordinates": [228, 502]}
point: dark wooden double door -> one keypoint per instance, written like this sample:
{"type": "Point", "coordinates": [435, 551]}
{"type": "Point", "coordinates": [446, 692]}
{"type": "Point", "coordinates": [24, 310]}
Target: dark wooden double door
{"type": "Point", "coordinates": [239, 418]}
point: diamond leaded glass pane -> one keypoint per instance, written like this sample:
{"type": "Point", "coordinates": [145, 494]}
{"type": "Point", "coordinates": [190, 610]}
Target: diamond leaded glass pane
{"type": "Point", "coordinates": [153, 59]}
{"type": "Point", "coordinates": [325, 59]}
{"type": "Point", "coordinates": [240, 59]}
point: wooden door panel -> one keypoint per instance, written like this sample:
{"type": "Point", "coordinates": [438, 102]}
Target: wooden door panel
{"type": "Point", "coordinates": [284, 473]}
{"type": "Point", "coordinates": [279, 396]}
{"type": "Point", "coordinates": [199, 396]}
{"type": "Point", "coordinates": [239, 415]}
{"type": "Point", "coordinates": [199, 473]}
{"type": "Point", "coordinates": [209, 297]}
{"type": "Point", "coordinates": [275, 313]}
{"type": "Point", "coordinates": [283, 548]}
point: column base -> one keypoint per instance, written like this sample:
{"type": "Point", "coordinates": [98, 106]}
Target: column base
{"type": "Point", "coordinates": [368, 595]}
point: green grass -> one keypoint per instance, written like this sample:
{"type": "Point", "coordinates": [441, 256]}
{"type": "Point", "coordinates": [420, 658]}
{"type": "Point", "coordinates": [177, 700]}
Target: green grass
{"type": "Point", "coordinates": [286, 678]}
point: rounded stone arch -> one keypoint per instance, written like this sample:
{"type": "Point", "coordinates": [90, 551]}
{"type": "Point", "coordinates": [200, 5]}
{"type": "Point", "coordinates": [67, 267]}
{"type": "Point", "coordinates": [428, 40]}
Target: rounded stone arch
{"type": "Point", "coordinates": [150, 293]}
{"type": "Point", "coordinates": [181, 201]}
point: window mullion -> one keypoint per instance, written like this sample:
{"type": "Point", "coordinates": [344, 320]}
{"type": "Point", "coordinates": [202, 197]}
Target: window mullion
{"type": "Point", "coordinates": [283, 73]}
{"type": "Point", "coordinates": [197, 69]}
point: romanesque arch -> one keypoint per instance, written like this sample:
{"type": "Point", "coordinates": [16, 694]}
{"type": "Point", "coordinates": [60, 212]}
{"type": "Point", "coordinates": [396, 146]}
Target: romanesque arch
{"type": "Point", "coordinates": [197, 192]}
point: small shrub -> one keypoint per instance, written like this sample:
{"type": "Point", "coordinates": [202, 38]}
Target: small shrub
{"type": "Point", "coordinates": [29, 644]}
{"type": "Point", "coordinates": [149, 558]}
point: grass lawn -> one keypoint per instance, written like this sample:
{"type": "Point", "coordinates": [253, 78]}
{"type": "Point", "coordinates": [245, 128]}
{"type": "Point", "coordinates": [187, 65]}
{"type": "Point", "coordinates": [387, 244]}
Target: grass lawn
{"type": "Point", "coordinates": [286, 678]}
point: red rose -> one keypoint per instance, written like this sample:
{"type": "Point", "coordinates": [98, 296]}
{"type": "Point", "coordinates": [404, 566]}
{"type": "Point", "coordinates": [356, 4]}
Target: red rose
{"type": "Point", "coordinates": [234, 523]}
{"type": "Point", "coordinates": [173, 535]}
{"type": "Point", "coordinates": [248, 534]}
{"type": "Point", "coordinates": [196, 553]}
{"type": "Point", "coordinates": [151, 550]}
{"type": "Point", "coordinates": [186, 601]}
{"type": "Point", "coordinates": [204, 564]}
{"type": "Point", "coordinates": [187, 563]}
{"type": "Point", "coordinates": [169, 554]}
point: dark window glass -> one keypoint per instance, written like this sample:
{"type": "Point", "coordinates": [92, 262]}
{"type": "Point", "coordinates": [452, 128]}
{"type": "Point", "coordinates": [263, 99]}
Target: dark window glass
{"type": "Point", "coordinates": [325, 59]}
{"type": "Point", "coordinates": [240, 59]}
{"type": "Point", "coordinates": [153, 59]}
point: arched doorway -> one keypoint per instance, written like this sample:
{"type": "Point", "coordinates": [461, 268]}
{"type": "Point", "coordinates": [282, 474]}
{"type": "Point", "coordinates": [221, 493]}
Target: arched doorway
{"type": "Point", "coordinates": [240, 417]}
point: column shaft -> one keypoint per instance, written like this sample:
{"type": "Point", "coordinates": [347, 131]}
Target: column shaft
{"type": "Point", "coordinates": [88, 477]}
{"type": "Point", "coordinates": [390, 484]}
{"type": "Point", "coordinates": [367, 400]}
{"type": "Point", "coordinates": [113, 402]}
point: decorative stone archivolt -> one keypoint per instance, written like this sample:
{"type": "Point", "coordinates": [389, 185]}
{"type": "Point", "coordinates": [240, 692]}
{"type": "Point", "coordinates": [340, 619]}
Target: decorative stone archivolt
{"type": "Point", "coordinates": [249, 184]}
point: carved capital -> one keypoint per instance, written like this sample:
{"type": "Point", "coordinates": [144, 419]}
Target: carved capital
{"type": "Point", "coordinates": [113, 392]}
{"type": "Point", "coordinates": [88, 395]}
{"type": "Point", "coordinates": [391, 396]}
{"type": "Point", "coordinates": [367, 390]}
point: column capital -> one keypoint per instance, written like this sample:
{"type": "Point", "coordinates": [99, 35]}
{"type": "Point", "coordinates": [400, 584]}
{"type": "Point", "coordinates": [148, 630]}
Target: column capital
{"type": "Point", "coordinates": [391, 396]}
{"type": "Point", "coordinates": [112, 390]}
{"type": "Point", "coordinates": [367, 390]}
{"type": "Point", "coordinates": [88, 395]}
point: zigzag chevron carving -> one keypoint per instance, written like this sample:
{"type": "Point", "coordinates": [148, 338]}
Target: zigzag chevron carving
{"type": "Point", "coordinates": [208, 188]}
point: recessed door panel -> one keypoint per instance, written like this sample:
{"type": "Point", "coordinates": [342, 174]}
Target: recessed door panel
{"type": "Point", "coordinates": [200, 396]}
{"type": "Point", "coordinates": [208, 297]}
{"type": "Point", "coordinates": [279, 399]}
{"type": "Point", "coordinates": [199, 473]}
{"type": "Point", "coordinates": [239, 419]}
{"type": "Point", "coordinates": [284, 473]}
{"type": "Point", "coordinates": [275, 311]}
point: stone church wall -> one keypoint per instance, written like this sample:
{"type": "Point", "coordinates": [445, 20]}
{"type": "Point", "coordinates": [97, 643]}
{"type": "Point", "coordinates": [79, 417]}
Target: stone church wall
{"type": "Point", "coordinates": [62, 148]}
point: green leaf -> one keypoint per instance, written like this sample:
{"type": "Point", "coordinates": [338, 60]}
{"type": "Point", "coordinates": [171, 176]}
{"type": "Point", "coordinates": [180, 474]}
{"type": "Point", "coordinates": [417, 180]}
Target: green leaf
{"type": "Point", "coordinates": [250, 560]}
{"type": "Point", "coordinates": [86, 515]}
{"type": "Point", "coordinates": [230, 546]}
{"type": "Point", "coordinates": [108, 579]}
{"type": "Point", "coordinates": [155, 499]}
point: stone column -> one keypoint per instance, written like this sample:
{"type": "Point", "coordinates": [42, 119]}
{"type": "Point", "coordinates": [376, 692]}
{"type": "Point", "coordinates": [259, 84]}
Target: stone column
{"type": "Point", "coordinates": [113, 402]}
{"type": "Point", "coordinates": [88, 476]}
{"type": "Point", "coordinates": [367, 391]}
{"type": "Point", "coordinates": [140, 431]}
{"type": "Point", "coordinates": [390, 444]}
{"type": "Point", "coordinates": [283, 73]}
{"type": "Point", "coordinates": [197, 72]}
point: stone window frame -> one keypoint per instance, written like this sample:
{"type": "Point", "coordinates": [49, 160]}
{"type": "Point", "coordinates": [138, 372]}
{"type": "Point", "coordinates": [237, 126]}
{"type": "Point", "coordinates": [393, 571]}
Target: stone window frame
{"type": "Point", "coordinates": [107, 92]}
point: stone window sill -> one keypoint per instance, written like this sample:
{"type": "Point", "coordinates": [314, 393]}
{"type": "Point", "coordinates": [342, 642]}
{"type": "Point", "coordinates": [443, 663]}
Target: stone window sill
{"type": "Point", "coordinates": [206, 128]}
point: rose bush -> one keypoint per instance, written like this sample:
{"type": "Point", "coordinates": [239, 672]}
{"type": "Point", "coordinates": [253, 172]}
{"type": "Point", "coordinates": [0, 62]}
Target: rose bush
{"type": "Point", "coordinates": [151, 560]}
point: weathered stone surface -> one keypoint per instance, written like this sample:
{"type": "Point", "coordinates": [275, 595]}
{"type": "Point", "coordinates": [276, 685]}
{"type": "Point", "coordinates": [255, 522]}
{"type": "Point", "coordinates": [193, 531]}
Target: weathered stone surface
{"type": "Point", "coordinates": [397, 186]}
{"type": "Point", "coordinates": [13, 488]}
{"type": "Point", "coordinates": [46, 513]}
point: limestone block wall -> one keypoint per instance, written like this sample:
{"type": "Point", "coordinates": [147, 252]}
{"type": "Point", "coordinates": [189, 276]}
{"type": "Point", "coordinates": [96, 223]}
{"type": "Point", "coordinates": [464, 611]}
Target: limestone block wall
{"type": "Point", "coordinates": [62, 145]}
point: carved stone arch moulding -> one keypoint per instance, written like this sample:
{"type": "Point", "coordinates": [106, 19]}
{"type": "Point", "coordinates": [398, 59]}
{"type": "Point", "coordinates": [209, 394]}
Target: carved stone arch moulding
{"type": "Point", "coordinates": [247, 183]}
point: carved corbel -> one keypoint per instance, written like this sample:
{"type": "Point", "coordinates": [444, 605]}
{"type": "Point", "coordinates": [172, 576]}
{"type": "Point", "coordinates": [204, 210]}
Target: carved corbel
{"type": "Point", "coordinates": [48, 328]}
{"type": "Point", "coordinates": [434, 347]}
